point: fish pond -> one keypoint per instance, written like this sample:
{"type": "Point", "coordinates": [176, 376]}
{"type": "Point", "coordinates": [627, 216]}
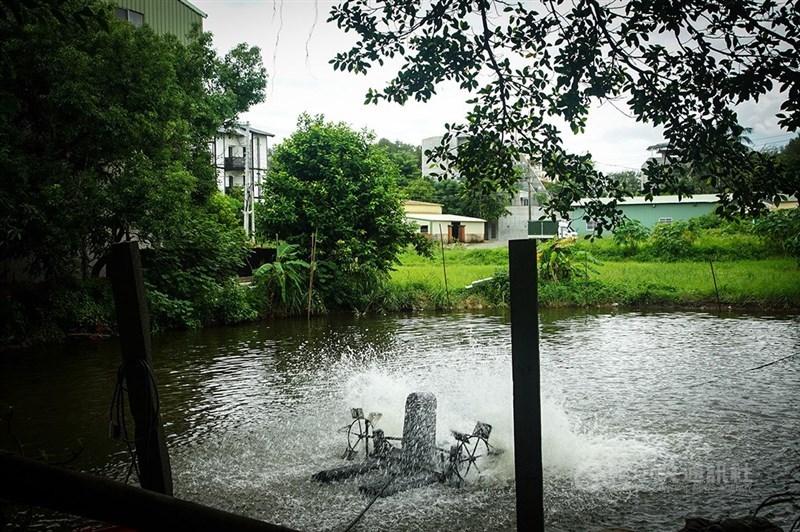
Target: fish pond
{"type": "Point", "coordinates": [648, 418]}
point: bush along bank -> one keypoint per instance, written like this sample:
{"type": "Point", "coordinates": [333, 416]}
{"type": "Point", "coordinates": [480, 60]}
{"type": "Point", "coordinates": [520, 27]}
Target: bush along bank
{"type": "Point", "coordinates": [768, 284]}
{"type": "Point", "coordinates": [570, 275]}
{"type": "Point", "coordinates": [765, 276]}
{"type": "Point", "coordinates": [777, 234]}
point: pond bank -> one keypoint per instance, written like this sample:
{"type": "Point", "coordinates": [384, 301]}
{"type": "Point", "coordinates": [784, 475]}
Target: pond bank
{"type": "Point", "coordinates": [765, 285]}
{"type": "Point", "coordinates": [85, 311]}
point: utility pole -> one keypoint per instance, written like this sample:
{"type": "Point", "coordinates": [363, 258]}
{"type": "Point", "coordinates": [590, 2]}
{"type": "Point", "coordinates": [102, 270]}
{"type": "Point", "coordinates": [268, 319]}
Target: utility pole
{"type": "Point", "coordinates": [248, 183]}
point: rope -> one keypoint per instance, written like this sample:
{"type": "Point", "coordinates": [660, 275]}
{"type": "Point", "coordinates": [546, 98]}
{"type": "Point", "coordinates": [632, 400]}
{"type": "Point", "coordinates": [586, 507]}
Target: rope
{"type": "Point", "coordinates": [715, 379]}
{"type": "Point", "coordinates": [364, 511]}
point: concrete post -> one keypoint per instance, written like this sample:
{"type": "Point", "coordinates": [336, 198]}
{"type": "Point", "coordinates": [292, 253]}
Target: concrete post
{"type": "Point", "coordinates": [419, 431]}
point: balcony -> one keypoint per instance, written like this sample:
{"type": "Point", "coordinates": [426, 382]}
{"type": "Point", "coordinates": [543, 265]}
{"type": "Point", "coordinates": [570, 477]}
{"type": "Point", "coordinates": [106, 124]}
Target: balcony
{"type": "Point", "coordinates": [234, 163]}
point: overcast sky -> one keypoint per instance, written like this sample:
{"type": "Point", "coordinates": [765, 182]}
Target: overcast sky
{"type": "Point", "coordinates": [296, 44]}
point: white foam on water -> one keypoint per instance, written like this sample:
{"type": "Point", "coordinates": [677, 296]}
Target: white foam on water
{"type": "Point", "coordinates": [587, 457]}
{"type": "Point", "coordinates": [277, 453]}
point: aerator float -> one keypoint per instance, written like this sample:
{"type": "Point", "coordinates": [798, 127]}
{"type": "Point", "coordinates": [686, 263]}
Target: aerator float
{"type": "Point", "coordinates": [417, 461]}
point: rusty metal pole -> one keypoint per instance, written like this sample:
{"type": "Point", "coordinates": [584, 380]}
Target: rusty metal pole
{"type": "Point", "coordinates": [133, 321]}
{"type": "Point", "coordinates": [526, 387]}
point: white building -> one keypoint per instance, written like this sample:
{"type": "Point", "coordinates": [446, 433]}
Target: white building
{"type": "Point", "coordinates": [243, 148]}
{"type": "Point", "coordinates": [241, 159]}
{"type": "Point", "coordinates": [432, 223]}
{"type": "Point", "coordinates": [429, 167]}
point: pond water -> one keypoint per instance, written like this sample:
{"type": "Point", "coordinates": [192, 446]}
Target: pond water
{"type": "Point", "coordinates": [647, 417]}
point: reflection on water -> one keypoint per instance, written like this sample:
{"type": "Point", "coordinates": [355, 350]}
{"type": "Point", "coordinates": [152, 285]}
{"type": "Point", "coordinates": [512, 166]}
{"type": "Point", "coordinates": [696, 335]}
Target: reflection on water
{"type": "Point", "coordinates": [647, 418]}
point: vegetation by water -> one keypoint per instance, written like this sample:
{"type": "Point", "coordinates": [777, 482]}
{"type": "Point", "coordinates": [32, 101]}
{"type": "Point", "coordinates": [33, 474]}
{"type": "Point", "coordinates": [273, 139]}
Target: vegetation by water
{"type": "Point", "coordinates": [672, 266]}
{"type": "Point", "coordinates": [769, 283]}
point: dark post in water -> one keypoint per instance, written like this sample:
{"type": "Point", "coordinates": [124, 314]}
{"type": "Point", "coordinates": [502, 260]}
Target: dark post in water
{"type": "Point", "coordinates": [133, 321]}
{"type": "Point", "coordinates": [525, 374]}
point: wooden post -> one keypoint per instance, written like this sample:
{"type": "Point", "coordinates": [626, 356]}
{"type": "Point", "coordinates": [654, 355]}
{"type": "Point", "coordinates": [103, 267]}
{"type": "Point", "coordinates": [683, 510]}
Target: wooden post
{"type": "Point", "coordinates": [525, 374]}
{"type": "Point", "coordinates": [133, 321]}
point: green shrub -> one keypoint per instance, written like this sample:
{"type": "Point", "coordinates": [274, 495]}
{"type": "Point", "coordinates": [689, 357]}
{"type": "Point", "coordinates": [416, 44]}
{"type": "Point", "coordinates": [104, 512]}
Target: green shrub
{"type": "Point", "coordinates": [781, 231]}
{"type": "Point", "coordinates": [601, 247]}
{"type": "Point", "coordinates": [417, 295]}
{"type": "Point", "coordinates": [495, 291]}
{"type": "Point", "coordinates": [281, 287]}
{"type": "Point", "coordinates": [629, 234]}
{"type": "Point", "coordinates": [716, 245]}
{"type": "Point", "coordinates": [559, 260]}
{"type": "Point", "coordinates": [39, 313]}
{"type": "Point", "coordinates": [671, 242]}
{"type": "Point", "coordinates": [170, 312]}
{"type": "Point", "coordinates": [235, 304]}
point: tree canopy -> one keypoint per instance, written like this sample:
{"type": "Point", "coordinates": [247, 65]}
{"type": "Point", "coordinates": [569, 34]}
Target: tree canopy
{"type": "Point", "coordinates": [330, 181]}
{"type": "Point", "coordinates": [790, 157]}
{"type": "Point", "coordinates": [104, 131]}
{"type": "Point", "coordinates": [407, 158]}
{"type": "Point", "coordinates": [529, 66]}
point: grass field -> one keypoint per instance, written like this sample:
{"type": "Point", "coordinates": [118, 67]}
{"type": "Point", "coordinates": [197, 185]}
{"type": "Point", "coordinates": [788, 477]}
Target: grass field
{"type": "Point", "coordinates": [771, 283]}
{"type": "Point", "coordinates": [463, 267]}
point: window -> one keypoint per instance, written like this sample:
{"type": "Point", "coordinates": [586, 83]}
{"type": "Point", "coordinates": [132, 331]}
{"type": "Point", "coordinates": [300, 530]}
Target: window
{"type": "Point", "coordinates": [423, 228]}
{"type": "Point", "coordinates": [665, 221]}
{"type": "Point", "coordinates": [590, 225]}
{"type": "Point", "coordinates": [134, 17]}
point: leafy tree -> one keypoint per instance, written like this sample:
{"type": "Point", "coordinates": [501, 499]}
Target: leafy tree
{"type": "Point", "coordinates": [456, 198]}
{"type": "Point", "coordinates": [448, 193]}
{"type": "Point", "coordinates": [420, 189]}
{"type": "Point", "coordinates": [406, 157]}
{"type": "Point", "coordinates": [480, 204]}
{"type": "Point", "coordinates": [790, 158]}
{"type": "Point", "coordinates": [681, 65]}
{"type": "Point", "coordinates": [628, 180]}
{"type": "Point", "coordinates": [105, 135]}
{"type": "Point", "coordinates": [330, 180]}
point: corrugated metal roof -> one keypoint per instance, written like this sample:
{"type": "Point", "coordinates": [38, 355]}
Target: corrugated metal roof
{"type": "Point", "coordinates": [193, 8]}
{"type": "Point", "coordinates": [641, 200]}
{"type": "Point", "coordinates": [443, 218]}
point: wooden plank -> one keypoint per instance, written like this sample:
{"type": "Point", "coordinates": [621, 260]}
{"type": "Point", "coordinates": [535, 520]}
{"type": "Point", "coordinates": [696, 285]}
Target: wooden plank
{"type": "Point", "coordinates": [30, 482]}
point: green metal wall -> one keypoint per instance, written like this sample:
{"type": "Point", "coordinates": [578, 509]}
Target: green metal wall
{"type": "Point", "coordinates": [165, 16]}
{"type": "Point", "coordinates": [649, 214]}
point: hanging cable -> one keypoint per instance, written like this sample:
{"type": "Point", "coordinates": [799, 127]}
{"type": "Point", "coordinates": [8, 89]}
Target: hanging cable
{"type": "Point", "coordinates": [7, 419]}
{"type": "Point", "coordinates": [118, 424]}
{"type": "Point", "coordinates": [364, 511]}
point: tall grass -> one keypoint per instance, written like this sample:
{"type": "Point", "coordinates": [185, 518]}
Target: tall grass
{"type": "Point", "coordinates": [771, 283]}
